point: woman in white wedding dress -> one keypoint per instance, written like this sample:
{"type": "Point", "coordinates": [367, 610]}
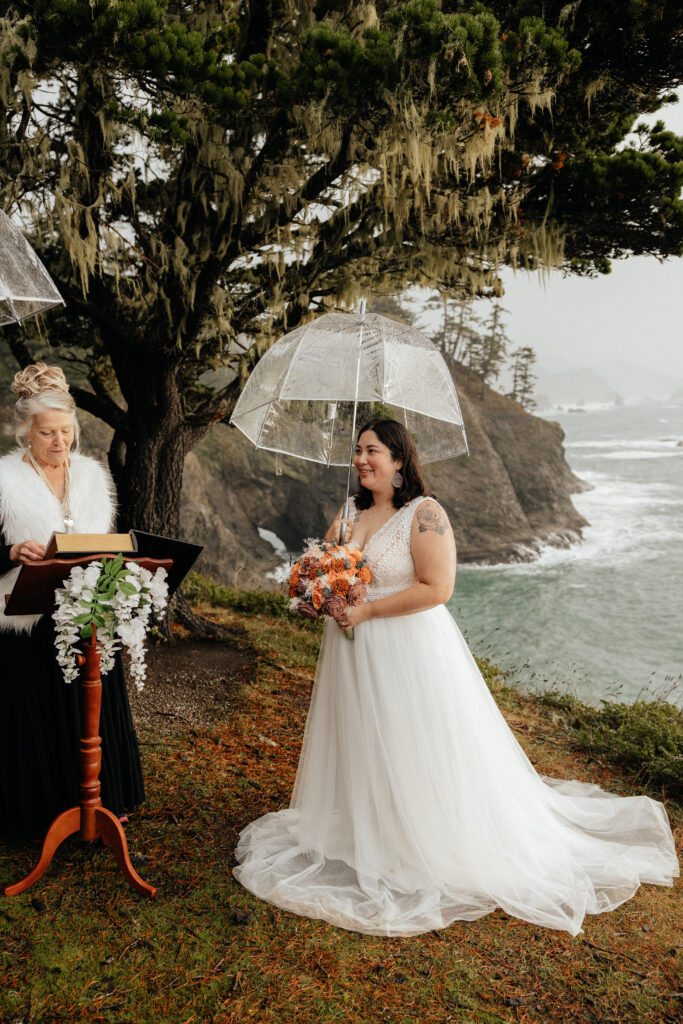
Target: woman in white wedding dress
{"type": "Point", "coordinates": [414, 805]}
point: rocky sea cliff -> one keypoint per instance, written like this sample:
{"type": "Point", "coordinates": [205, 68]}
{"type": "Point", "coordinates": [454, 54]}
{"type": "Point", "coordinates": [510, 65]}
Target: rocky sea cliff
{"type": "Point", "coordinates": [508, 497]}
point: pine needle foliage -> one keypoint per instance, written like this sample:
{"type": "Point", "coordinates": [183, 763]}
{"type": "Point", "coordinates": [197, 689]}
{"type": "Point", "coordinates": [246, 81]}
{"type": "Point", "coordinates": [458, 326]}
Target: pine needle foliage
{"type": "Point", "coordinates": [201, 176]}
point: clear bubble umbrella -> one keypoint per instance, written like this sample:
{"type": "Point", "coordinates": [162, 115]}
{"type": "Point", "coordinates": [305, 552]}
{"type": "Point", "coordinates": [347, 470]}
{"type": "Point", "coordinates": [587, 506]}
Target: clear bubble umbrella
{"type": "Point", "coordinates": [312, 388]}
{"type": "Point", "coordinates": [26, 288]}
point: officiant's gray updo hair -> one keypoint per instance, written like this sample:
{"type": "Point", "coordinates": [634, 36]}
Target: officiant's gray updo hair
{"type": "Point", "coordinates": [38, 388]}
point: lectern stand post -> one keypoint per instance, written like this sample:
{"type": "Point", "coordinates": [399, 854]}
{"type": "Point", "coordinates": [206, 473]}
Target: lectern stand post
{"type": "Point", "coordinates": [90, 819]}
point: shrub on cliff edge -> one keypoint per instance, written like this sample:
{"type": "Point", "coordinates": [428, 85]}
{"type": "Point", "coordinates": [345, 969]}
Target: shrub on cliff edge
{"type": "Point", "coordinates": [645, 737]}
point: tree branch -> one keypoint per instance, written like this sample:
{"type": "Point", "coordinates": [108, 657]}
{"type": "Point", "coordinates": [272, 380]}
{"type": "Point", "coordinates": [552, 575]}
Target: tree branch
{"type": "Point", "coordinates": [102, 407]}
{"type": "Point", "coordinates": [19, 347]}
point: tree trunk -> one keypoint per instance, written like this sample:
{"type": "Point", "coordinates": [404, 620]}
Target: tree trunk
{"type": "Point", "coordinates": [147, 452]}
{"type": "Point", "coordinates": [146, 459]}
{"type": "Point", "coordinates": [149, 479]}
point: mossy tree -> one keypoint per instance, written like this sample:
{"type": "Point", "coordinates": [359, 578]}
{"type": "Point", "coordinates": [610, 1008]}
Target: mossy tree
{"type": "Point", "coordinates": [199, 176]}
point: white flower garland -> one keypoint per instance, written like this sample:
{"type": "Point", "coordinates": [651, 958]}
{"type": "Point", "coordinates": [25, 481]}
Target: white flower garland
{"type": "Point", "coordinates": [118, 599]}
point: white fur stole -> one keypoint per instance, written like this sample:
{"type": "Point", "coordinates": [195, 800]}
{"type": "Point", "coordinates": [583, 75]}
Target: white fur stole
{"type": "Point", "coordinates": [29, 511]}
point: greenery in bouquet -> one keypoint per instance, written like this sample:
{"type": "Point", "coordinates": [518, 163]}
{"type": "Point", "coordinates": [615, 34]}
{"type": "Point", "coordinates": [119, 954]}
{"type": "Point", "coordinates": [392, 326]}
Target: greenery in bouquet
{"type": "Point", "coordinates": [117, 599]}
{"type": "Point", "coordinates": [327, 579]}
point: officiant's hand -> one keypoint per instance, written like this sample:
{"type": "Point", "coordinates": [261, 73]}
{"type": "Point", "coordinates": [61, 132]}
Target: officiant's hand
{"type": "Point", "coordinates": [26, 552]}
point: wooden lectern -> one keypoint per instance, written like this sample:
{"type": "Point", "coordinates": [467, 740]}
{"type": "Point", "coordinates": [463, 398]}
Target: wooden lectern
{"type": "Point", "coordinates": [34, 592]}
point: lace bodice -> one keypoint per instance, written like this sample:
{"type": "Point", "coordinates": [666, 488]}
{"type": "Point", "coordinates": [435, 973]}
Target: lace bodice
{"type": "Point", "coordinates": [388, 551]}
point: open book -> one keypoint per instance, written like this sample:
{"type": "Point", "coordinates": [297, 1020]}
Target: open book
{"type": "Point", "coordinates": [67, 545]}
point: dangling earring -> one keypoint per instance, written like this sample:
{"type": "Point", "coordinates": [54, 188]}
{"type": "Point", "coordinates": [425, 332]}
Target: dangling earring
{"type": "Point", "coordinates": [398, 479]}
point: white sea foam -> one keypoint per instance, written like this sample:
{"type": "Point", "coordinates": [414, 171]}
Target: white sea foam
{"type": "Point", "coordinates": [281, 571]}
{"type": "Point", "coordinates": [639, 454]}
{"type": "Point", "coordinates": [278, 546]}
{"type": "Point", "coordinates": [628, 522]}
{"type": "Point", "coordinates": [628, 445]}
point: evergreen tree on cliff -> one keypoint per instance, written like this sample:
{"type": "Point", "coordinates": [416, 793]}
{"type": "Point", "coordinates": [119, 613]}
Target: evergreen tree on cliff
{"type": "Point", "coordinates": [200, 176]}
{"type": "Point", "coordinates": [487, 350]}
{"type": "Point", "coordinates": [523, 377]}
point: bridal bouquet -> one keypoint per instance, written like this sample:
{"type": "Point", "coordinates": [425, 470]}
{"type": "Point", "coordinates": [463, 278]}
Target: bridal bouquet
{"type": "Point", "coordinates": [118, 599]}
{"type": "Point", "coordinates": [327, 578]}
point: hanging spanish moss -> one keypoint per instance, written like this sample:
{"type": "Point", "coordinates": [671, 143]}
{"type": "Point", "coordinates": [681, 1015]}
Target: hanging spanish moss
{"type": "Point", "coordinates": [201, 177]}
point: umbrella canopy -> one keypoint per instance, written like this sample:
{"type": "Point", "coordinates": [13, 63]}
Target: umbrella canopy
{"type": "Point", "coordinates": [307, 392]}
{"type": "Point", "coordinates": [26, 287]}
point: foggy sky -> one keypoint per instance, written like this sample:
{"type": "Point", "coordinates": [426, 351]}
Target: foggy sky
{"type": "Point", "coordinates": [633, 315]}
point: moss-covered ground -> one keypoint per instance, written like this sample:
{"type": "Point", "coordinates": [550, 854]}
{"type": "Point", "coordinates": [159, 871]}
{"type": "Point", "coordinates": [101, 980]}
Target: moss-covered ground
{"type": "Point", "coordinates": [82, 946]}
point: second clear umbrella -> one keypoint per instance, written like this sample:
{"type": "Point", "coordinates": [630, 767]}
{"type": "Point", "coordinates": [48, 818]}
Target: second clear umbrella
{"type": "Point", "coordinates": [26, 288]}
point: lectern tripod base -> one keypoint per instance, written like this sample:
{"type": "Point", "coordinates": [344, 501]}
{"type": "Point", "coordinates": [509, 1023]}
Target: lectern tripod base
{"type": "Point", "coordinates": [90, 819]}
{"type": "Point", "coordinates": [107, 827]}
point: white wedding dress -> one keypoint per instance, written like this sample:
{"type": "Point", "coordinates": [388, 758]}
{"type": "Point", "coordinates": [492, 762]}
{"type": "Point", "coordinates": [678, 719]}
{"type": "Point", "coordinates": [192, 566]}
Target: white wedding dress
{"type": "Point", "coordinates": [414, 805]}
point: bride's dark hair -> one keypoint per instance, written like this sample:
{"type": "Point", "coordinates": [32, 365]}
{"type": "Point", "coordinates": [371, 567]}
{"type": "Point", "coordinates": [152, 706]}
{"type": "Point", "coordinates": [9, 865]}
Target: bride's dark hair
{"type": "Point", "coordinates": [401, 445]}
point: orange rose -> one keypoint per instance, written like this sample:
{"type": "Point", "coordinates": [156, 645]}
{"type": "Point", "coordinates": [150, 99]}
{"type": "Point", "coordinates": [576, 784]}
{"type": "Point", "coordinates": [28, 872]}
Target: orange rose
{"type": "Point", "coordinates": [338, 565]}
{"type": "Point", "coordinates": [316, 599]}
{"type": "Point", "coordinates": [365, 575]}
{"type": "Point", "coordinates": [339, 585]}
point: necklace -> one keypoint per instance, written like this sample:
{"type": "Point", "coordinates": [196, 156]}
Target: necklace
{"type": "Point", "coordinates": [66, 501]}
{"type": "Point", "coordinates": [379, 508]}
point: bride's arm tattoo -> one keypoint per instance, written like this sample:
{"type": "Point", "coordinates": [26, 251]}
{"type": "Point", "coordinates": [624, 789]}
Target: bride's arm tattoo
{"type": "Point", "coordinates": [431, 516]}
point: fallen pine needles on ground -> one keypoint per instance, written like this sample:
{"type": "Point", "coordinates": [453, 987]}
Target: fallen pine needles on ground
{"type": "Point", "coordinates": [81, 946]}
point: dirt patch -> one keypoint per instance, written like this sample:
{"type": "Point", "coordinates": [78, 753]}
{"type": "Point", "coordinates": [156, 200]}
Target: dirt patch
{"type": "Point", "coordinates": [190, 684]}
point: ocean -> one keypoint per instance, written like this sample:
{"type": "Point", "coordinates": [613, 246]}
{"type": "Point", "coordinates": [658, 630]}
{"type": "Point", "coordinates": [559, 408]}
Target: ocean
{"type": "Point", "coordinates": [603, 618]}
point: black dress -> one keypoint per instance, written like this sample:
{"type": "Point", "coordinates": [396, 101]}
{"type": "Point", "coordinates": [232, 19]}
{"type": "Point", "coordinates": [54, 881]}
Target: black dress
{"type": "Point", "coordinates": [40, 734]}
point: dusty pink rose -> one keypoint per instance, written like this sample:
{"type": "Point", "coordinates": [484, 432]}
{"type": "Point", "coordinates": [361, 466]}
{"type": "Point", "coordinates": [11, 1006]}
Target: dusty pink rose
{"type": "Point", "coordinates": [334, 606]}
{"type": "Point", "coordinates": [307, 610]}
{"type": "Point", "coordinates": [309, 566]}
{"type": "Point", "coordinates": [301, 588]}
{"type": "Point", "coordinates": [356, 593]}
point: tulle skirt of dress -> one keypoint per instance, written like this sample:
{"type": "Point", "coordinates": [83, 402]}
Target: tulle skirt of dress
{"type": "Point", "coordinates": [414, 805]}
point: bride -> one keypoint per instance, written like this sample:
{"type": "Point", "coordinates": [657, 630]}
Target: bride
{"type": "Point", "coordinates": [414, 805]}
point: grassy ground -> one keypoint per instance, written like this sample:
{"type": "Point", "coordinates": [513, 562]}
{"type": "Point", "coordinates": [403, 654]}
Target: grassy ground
{"type": "Point", "coordinates": [81, 946]}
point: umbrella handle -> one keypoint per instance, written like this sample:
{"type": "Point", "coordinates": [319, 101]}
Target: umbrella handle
{"type": "Point", "coordinates": [342, 528]}
{"type": "Point", "coordinates": [345, 513]}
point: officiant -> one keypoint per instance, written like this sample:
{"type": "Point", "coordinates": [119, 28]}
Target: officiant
{"type": "Point", "coordinates": [47, 486]}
